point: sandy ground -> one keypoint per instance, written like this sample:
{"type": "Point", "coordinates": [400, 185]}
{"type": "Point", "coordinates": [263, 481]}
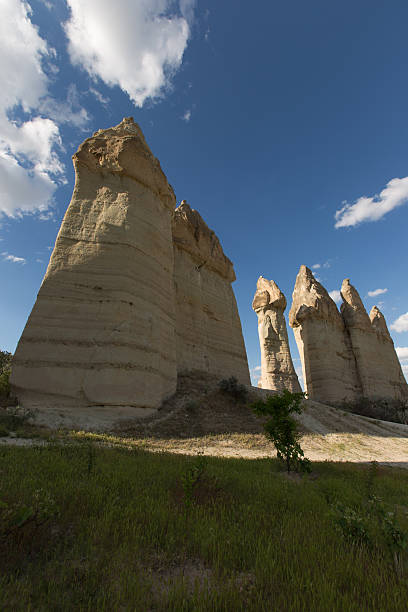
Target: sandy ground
{"type": "Point", "coordinates": [200, 418]}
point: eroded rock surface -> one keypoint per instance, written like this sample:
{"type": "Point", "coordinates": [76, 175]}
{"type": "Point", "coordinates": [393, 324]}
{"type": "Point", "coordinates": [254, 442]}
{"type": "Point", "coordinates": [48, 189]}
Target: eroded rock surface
{"type": "Point", "coordinates": [328, 363]}
{"type": "Point", "coordinates": [208, 328]}
{"type": "Point", "coordinates": [378, 367]}
{"type": "Point", "coordinates": [103, 331]}
{"type": "Point", "coordinates": [277, 371]}
{"type": "Point", "coordinates": [102, 328]}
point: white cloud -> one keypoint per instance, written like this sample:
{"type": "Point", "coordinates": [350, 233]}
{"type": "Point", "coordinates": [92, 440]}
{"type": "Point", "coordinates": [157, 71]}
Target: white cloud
{"type": "Point", "coordinates": [13, 258]}
{"type": "Point", "coordinates": [28, 162]}
{"type": "Point", "coordinates": [372, 209]}
{"type": "Point", "coordinates": [335, 296]}
{"type": "Point", "coordinates": [187, 116]}
{"type": "Point", "coordinates": [402, 352]}
{"type": "Point", "coordinates": [400, 324]}
{"type": "Point", "coordinates": [22, 191]}
{"type": "Point", "coordinates": [102, 99]}
{"type": "Point", "coordinates": [376, 292]}
{"type": "Point", "coordinates": [317, 266]}
{"type": "Point", "coordinates": [135, 44]}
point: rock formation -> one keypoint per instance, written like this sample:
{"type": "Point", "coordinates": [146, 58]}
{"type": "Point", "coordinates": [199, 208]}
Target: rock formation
{"type": "Point", "coordinates": [208, 328]}
{"type": "Point", "coordinates": [103, 329]}
{"type": "Point", "coordinates": [344, 356]}
{"type": "Point", "coordinates": [378, 367]}
{"type": "Point", "coordinates": [277, 368]}
{"type": "Point", "coordinates": [328, 363]}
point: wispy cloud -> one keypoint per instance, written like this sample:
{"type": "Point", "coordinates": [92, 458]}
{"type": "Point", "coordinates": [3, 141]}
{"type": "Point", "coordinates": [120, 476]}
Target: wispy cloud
{"type": "Point", "coordinates": [66, 111]}
{"type": "Point", "coordinates": [255, 373]}
{"type": "Point", "coordinates": [373, 208]}
{"type": "Point", "coordinates": [376, 292]}
{"type": "Point", "coordinates": [400, 324]}
{"type": "Point", "coordinates": [101, 99]}
{"type": "Point", "coordinates": [13, 258]}
{"type": "Point", "coordinates": [335, 296]}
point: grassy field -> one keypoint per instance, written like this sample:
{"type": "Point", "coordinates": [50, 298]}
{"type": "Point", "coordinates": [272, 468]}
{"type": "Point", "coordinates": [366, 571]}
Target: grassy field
{"type": "Point", "coordinates": [90, 528]}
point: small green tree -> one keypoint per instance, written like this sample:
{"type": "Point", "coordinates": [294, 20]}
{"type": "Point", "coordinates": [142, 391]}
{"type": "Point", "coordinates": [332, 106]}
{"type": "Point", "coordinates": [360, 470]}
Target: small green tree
{"type": "Point", "coordinates": [282, 428]}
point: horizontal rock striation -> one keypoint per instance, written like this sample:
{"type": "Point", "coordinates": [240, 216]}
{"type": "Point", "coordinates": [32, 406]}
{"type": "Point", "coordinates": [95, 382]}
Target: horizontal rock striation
{"type": "Point", "coordinates": [328, 363]}
{"type": "Point", "coordinates": [102, 328]}
{"type": "Point", "coordinates": [277, 371]}
{"type": "Point", "coordinates": [208, 328]}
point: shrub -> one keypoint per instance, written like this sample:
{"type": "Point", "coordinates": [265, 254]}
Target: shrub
{"type": "Point", "coordinates": [232, 387]}
{"type": "Point", "coordinates": [386, 409]}
{"type": "Point", "coordinates": [191, 478]}
{"type": "Point", "coordinates": [5, 370]}
{"type": "Point", "coordinates": [282, 429]}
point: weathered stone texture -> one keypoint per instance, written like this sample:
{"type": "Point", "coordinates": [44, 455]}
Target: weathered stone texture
{"type": "Point", "coordinates": [208, 328]}
{"type": "Point", "coordinates": [328, 363]}
{"type": "Point", "coordinates": [102, 328]}
{"type": "Point", "coordinates": [277, 371]}
{"type": "Point", "coordinates": [378, 367]}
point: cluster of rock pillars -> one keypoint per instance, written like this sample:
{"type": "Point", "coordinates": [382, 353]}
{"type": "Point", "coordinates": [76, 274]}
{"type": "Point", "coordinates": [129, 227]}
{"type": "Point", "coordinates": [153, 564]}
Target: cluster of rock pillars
{"type": "Point", "coordinates": [138, 291]}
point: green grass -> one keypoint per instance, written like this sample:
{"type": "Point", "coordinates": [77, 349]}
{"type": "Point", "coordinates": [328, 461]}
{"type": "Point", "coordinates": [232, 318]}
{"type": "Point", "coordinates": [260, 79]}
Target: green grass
{"type": "Point", "coordinates": [90, 528]}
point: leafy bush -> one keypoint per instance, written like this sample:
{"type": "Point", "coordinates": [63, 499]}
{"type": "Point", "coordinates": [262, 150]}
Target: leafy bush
{"type": "Point", "coordinates": [232, 387]}
{"type": "Point", "coordinates": [351, 524]}
{"type": "Point", "coordinates": [282, 429]}
{"type": "Point", "coordinates": [12, 418]}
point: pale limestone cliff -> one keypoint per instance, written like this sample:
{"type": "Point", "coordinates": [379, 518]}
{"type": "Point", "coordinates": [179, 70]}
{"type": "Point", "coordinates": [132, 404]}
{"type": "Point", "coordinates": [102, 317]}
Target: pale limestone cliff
{"type": "Point", "coordinates": [328, 363]}
{"type": "Point", "coordinates": [102, 328]}
{"type": "Point", "coordinates": [378, 367]}
{"type": "Point", "coordinates": [208, 328]}
{"type": "Point", "coordinates": [277, 371]}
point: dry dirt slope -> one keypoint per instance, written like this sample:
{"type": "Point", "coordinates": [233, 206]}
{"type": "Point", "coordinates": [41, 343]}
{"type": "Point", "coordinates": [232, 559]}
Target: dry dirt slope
{"type": "Point", "coordinates": [201, 418]}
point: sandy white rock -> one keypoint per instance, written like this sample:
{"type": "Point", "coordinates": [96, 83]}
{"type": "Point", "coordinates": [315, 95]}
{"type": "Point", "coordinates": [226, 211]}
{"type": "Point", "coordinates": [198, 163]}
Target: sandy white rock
{"type": "Point", "coordinates": [277, 371]}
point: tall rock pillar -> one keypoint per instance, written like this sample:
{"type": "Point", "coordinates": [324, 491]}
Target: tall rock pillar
{"type": "Point", "coordinates": [208, 328]}
{"type": "Point", "coordinates": [277, 368]}
{"type": "Point", "coordinates": [328, 363]}
{"type": "Point", "coordinates": [102, 330]}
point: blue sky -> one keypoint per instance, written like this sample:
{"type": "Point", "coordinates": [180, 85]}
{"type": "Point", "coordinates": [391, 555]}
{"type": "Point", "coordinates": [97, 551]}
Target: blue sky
{"type": "Point", "coordinates": [284, 124]}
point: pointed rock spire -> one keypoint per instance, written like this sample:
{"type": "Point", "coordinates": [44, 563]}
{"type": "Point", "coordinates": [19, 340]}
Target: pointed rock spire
{"type": "Point", "coordinates": [352, 308]}
{"type": "Point", "coordinates": [327, 361]}
{"type": "Point", "coordinates": [277, 368]}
